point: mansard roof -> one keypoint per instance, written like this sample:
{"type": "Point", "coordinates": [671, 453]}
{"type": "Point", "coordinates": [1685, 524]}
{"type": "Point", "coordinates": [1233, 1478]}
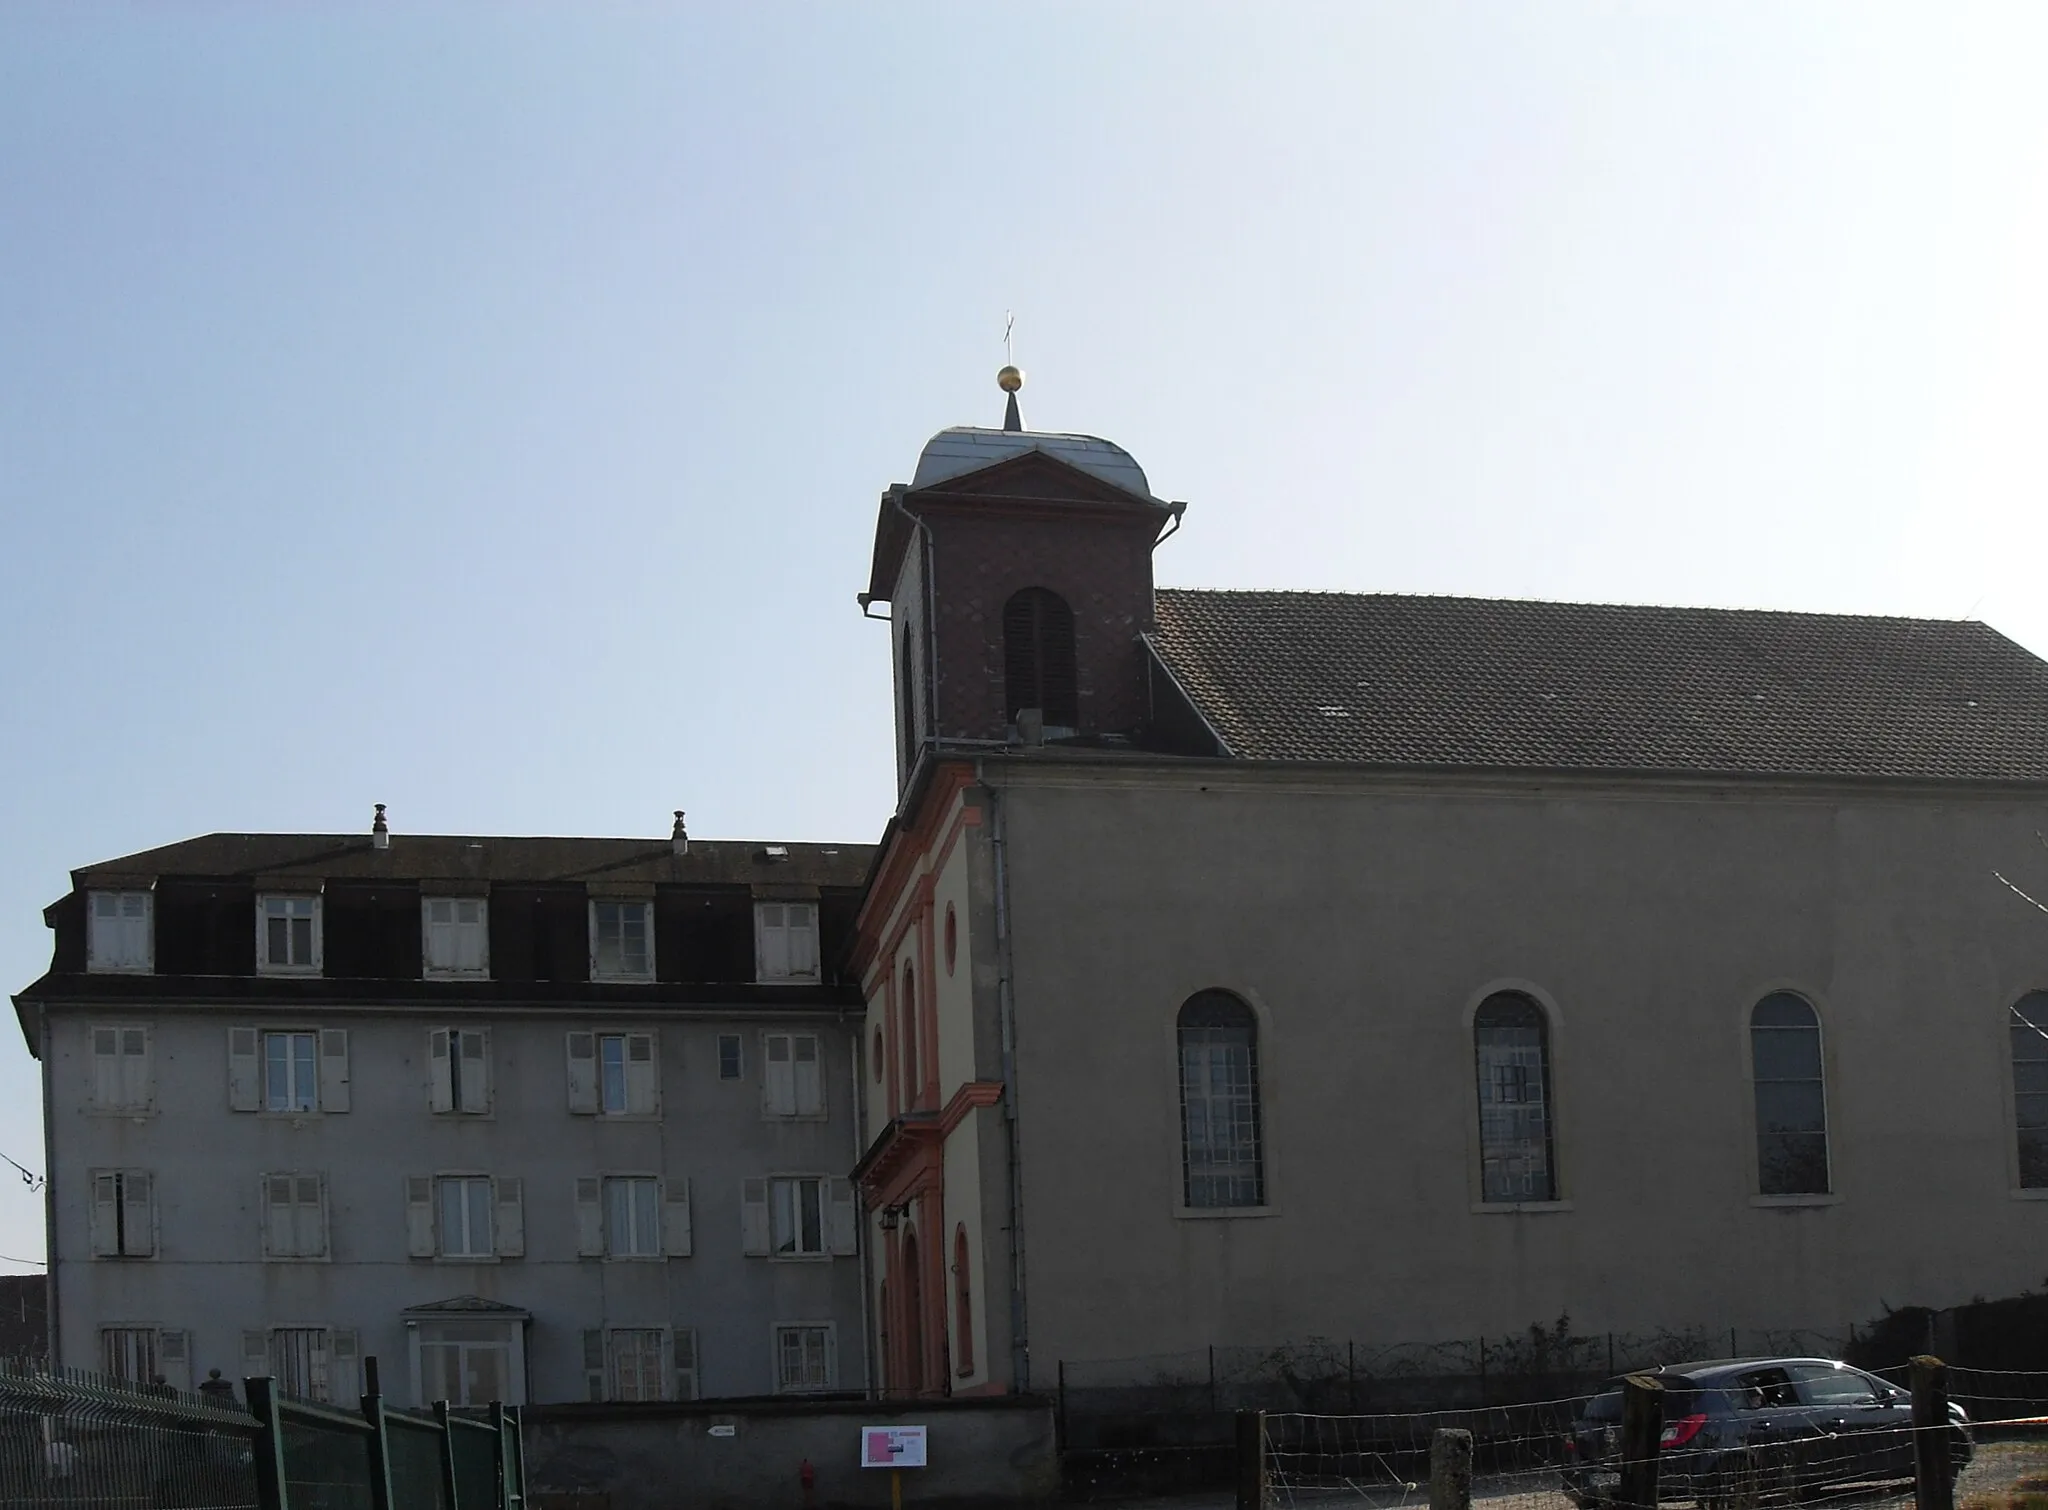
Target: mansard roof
{"type": "Point", "coordinates": [1476, 682]}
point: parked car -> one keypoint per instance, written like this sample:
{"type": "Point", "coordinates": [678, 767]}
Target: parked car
{"type": "Point", "coordinates": [1740, 1429]}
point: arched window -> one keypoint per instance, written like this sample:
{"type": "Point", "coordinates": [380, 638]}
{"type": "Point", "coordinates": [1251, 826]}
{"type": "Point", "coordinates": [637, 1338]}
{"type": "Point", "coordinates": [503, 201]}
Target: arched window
{"type": "Point", "coordinates": [1791, 1102]}
{"type": "Point", "coordinates": [1222, 1152]}
{"type": "Point", "coordinates": [2030, 1086]}
{"type": "Point", "coordinates": [963, 1303]}
{"type": "Point", "coordinates": [1038, 658]}
{"type": "Point", "coordinates": [907, 1041]}
{"type": "Point", "coordinates": [1511, 1040]}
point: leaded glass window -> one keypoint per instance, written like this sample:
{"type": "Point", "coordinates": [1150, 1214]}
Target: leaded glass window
{"type": "Point", "coordinates": [1222, 1151]}
{"type": "Point", "coordinates": [1516, 1148]}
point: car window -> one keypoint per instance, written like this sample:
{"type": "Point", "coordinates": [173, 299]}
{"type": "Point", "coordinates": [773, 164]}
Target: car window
{"type": "Point", "coordinates": [1605, 1407]}
{"type": "Point", "coordinates": [1764, 1389]}
{"type": "Point", "coordinates": [1822, 1385]}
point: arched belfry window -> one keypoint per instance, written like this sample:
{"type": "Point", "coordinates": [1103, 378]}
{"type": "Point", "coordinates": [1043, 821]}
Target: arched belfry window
{"type": "Point", "coordinates": [1222, 1150]}
{"type": "Point", "coordinates": [1517, 1160]}
{"type": "Point", "coordinates": [1791, 1100]}
{"type": "Point", "coordinates": [2029, 1027]}
{"type": "Point", "coordinates": [1038, 658]}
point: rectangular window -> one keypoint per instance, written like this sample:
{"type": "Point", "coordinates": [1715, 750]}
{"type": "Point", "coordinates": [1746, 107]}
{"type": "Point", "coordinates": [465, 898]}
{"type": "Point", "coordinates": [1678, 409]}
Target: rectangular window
{"type": "Point", "coordinates": [730, 1064]}
{"type": "Point", "coordinates": [294, 1216]}
{"type": "Point", "coordinates": [465, 1202]}
{"type": "Point", "coordinates": [314, 1363]}
{"type": "Point", "coordinates": [121, 1079]}
{"type": "Point", "coordinates": [118, 933]}
{"type": "Point", "coordinates": [291, 1079]}
{"type": "Point", "coordinates": [459, 1070]}
{"type": "Point", "coordinates": [632, 1217]}
{"type": "Point", "coordinates": [793, 1084]}
{"type": "Point", "coordinates": [288, 935]}
{"type": "Point", "coordinates": [123, 1214]}
{"type": "Point", "coordinates": [466, 1362]}
{"type": "Point", "coordinates": [128, 1353]}
{"type": "Point", "coordinates": [803, 1358]}
{"type": "Point", "coordinates": [454, 936]}
{"type": "Point", "coordinates": [796, 1216]}
{"type": "Point", "coordinates": [621, 941]}
{"type": "Point", "coordinates": [636, 1363]}
{"type": "Point", "coordinates": [786, 941]}
{"type": "Point", "coordinates": [626, 1078]}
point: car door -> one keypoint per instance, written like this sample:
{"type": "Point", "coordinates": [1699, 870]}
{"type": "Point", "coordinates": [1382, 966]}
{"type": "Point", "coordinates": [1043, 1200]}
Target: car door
{"type": "Point", "coordinates": [1869, 1421]}
{"type": "Point", "coordinates": [1774, 1427]}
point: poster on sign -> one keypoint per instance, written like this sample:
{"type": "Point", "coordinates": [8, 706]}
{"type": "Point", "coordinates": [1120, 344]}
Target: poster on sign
{"type": "Point", "coordinates": [892, 1446]}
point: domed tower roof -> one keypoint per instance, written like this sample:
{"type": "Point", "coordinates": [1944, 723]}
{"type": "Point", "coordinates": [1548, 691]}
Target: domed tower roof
{"type": "Point", "coordinates": [967, 448]}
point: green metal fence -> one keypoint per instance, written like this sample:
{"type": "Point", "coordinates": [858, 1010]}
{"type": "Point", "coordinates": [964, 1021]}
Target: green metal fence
{"type": "Point", "coordinates": [75, 1441]}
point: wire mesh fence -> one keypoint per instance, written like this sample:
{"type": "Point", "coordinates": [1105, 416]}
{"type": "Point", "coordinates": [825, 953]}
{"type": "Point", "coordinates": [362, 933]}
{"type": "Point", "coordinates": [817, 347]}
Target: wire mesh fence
{"type": "Point", "coordinates": [80, 1440]}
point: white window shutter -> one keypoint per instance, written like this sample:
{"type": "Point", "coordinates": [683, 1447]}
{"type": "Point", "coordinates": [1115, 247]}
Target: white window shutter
{"type": "Point", "coordinates": [476, 1070]}
{"type": "Point", "coordinates": [345, 1372]}
{"type": "Point", "coordinates": [807, 1074]}
{"type": "Point", "coordinates": [593, 1363]}
{"type": "Point", "coordinates": [278, 1228]}
{"type": "Point", "coordinates": [754, 1218]}
{"type": "Point", "coordinates": [831, 1357]}
{"type": "Point", "coordinates": [138, 1215]}
{"type": "Point", "coordinates": [589, 1217]}
{"type": "Point", "coordinates": [334, 1069]}
{"type": "Point", "coordinates": [255, 1355]}
{"type": "Point", "coordinates": [842, 1225]}
{"type": "Point", "coordinates": [136, 1081]}
{"type": "Point", "coordinates": [778, 1076]}
{"type": "Point", "coordinates": [685, 1352]}
{"type": "Point", "coordinates": [774, 936]}
{"type": "Point", "coordinates": [106, 1231]}
{"type": "Point", "coordinates": [440, 1072]}
{"type": "Point", "coordinates": [174, 1359]}
{"type": "Point", "coordinates": [511, 1216]}
{"type": "Point", "coordinates": [419, 1216]}
{"type": "Point", "coordinates": [583, 1073]}
{"type": "Point", "coordinates": [245, 1070]}
{"type": "Point", "coordinates": [106, 1067]}
{"type": "Point", "coordinates": [310, 1215]}
{"type": "Point", "coordinates": [803, 939]}
{"type": "Point", "coordinates": [675, 1220]}
{"type": "Point", "coordinates": [643, 1075]}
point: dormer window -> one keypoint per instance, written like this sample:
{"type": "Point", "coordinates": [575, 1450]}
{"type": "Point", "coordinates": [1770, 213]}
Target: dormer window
{"type": "Point", "coordinates": [454, 940]}
{"type": "Point", "coordinates": [288, 935]}
{"type": "Point", "coordinates": [786, 941]}
{"type": "Point", "coordinates": [118, 933]}
{"type": "Point", "coordinates": [1038, 659]}
{"type": "Point", "coordinates": [621, 941]}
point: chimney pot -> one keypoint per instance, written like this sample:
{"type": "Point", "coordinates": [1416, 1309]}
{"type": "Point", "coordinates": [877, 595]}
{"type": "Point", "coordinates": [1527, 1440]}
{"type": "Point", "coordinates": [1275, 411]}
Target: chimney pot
{"type": "Point", "coordinates": [380, 831]}
{"type": "Point", "coordinates": [679, 837]}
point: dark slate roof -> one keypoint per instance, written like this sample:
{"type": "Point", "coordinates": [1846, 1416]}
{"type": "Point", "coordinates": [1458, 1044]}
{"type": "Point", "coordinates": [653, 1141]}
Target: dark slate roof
{"type": "Point", "coordinates": [514, 861]}
{"type": "Point", "coordinates": [1476, 682]}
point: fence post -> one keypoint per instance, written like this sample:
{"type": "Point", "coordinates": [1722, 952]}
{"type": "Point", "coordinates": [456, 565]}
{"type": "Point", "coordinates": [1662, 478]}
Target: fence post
{"type": "Point", "coordinates": [1482, 1370]}
{"type": "Point", "coordinates": [1933, 1476]}
{"type": "Point", "coordinates": [449, 1496]}
{"type": "Point", "coordinates": [1450, 1469]}
{"type": "Point", "coordinates": [511, 1457]}
{"type": "Point", "coordinates": [1642, 1423]}
{"type": "Point", "coordinates": [270, 1473]}
{"type": "Point", "coordinates": [1351, 1377]}
{"type": "Point", "coordinates": [378, 1444]}
{"type": "Point", "coordinates": [1251, 1460]}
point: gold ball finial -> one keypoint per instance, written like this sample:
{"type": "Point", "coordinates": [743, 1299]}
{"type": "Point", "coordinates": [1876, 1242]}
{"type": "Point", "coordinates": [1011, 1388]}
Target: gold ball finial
{"type": "Point", "coordinates": [1010, 379]}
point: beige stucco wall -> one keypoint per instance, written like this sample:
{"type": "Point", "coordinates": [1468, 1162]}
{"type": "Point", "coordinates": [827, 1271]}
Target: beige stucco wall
{"type": "Point", "coordinates": [1365, 922]}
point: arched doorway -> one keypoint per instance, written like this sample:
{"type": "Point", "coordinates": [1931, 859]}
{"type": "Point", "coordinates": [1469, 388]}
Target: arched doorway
{"type": "Point", "coordinates": [913, 1316]}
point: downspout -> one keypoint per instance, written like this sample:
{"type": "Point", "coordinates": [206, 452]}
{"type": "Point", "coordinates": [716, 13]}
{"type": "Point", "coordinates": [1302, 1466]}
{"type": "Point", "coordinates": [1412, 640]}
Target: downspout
{"type": "Point", "coordinates": [1020, 1343]}
{"type": "Point", "coordinates": [50, 1270]}
{"type": "Point", "coordinates": [859, 1104]}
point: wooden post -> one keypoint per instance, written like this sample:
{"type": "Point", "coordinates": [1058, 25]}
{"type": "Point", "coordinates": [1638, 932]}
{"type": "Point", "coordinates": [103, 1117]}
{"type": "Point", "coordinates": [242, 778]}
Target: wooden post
{"type": "Point", "coordinates": [1251, 1460]}
{"type": "Point", "coordinates": [1450, 1469]}
{"type": "Point", "coordinates": [1933, 1474]}
{"type": "Point", "coordinates": [1642, 1423]}
{"type": "Point", "coordinates": [270, 1470]}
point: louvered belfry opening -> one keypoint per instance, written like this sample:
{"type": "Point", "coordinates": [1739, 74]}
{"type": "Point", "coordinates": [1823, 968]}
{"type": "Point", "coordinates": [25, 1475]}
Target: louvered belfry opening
{"type": "Point", "coordinates": [1038, 658]}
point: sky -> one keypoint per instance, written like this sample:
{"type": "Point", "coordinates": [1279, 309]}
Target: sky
{"type": "Point", "coordinates": [483, 409]}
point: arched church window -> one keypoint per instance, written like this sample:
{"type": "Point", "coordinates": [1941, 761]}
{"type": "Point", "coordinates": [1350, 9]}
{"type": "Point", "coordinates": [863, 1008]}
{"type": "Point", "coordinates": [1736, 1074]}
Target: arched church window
{"type": "Point", "coordinates": [1222, 1151]}
{"type": "Point", "coordinates": [1791, 1100]}
{"type": "Point", "coordinates": [1517, 1159]}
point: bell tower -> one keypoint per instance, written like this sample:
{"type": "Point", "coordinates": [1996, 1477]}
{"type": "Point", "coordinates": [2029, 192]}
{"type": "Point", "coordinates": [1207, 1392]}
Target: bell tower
{"type": "Point", "coordinates": [1018, 569]}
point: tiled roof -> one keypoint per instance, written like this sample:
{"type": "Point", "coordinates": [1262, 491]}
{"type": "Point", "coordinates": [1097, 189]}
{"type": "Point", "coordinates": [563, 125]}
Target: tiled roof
{"type": "Point", "coordinates": [444, 857]}
{"type": "Point", "coordinates": [1430, 681]}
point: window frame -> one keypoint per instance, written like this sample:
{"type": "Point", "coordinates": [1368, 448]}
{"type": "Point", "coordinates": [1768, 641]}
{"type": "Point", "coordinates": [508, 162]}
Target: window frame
{"type": "Point", "coordinates": [95, 964]}
{"type": "Point", "coordinates": [820, 1110]}
{"type": "Point", "coordinates": [1547, 1018]}
{"type": "Point", "coordinates": [2016, 1021]}
{"type": "Point", "coordinates": [1827, 1195]}
{"type": "Point", "coordinates": [738, 1041]}
{"type": "Point", "coordinates": [124, 1250]}
{"type": "Point", "coordinates": [325, 1207]}
{"type": "Point", "coordinates": [468, 1180]}
{"type": "Point", "coordinates": [316, 948]}
{"type": "Point", "coordinates": [1262, 1155]}
{"type": "Point", "coordinates": [431, 971]}
{"type": "Point", "coordinates": [263, 1041]}
{"type": "Point", "coordinates": [597, 972]}
{"type": "Point", "coordinates": [762, 974]}
{"type": "Point", "coordinates": [122, 1105]}
{"type": "Point", "coordinates": [829, 1336]}
{"type": "Point", "coordinates": [654, 1183]}
{"type": "Point", "coordinates": [453, 1039]}
{"type": "Point", "coordinates": [799, 1254]}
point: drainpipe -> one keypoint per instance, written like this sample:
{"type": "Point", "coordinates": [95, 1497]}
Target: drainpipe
{"type": "Point", "coordinates": [858, 1101]}
{"type": "Point", "coordinates": [1020, 1345]}
{"type": "Point", "coordinates": [50, 1269]}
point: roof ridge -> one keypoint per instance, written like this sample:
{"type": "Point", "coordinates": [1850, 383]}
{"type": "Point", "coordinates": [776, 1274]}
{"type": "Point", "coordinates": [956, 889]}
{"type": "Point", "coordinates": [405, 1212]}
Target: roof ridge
{"type": "Point", "coordinates": [1312, 593]}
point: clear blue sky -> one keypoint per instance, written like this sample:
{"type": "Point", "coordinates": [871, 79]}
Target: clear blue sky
{"type": "Point", "coordinates": [483, 409]}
